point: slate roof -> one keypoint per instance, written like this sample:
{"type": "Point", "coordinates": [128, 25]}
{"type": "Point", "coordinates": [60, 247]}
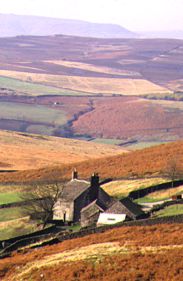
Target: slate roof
{"type": "Point", "coordinates": [116, 208]}
{"type": "Point", "coordinates": [132, 207]}
{"type": "Point", "coordinates": [93, 208]}
{"type": "Point", "coordinates": [105, 199]}
{"type": "Point", "coordinates": [73, 189]}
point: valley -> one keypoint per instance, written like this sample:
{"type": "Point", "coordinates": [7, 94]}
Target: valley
{"type": "Point", "coordinates": [65, 86]}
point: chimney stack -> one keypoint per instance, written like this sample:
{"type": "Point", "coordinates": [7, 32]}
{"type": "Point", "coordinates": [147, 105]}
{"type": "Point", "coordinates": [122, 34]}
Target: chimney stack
{"type": "Point", "coordinates": [94, 188]}
{"type": "Point", "coordinates": [74, 174]}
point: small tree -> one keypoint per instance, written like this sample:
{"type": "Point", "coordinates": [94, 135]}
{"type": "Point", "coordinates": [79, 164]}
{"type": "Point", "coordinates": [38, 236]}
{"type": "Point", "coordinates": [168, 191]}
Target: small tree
{"type": "Point", "coordinates": [173, 169]}
{"type": "Point", "coordinates": [41, 201]}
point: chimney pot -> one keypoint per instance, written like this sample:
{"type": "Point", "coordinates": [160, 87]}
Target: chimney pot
{"type": "Point", "coordinates": [74, 174]}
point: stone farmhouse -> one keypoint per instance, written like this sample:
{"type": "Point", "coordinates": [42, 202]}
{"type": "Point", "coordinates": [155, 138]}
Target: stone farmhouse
{"type": "Point", "coordinates": [83, 201]}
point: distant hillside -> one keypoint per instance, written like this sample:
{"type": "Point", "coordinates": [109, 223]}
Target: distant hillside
{"type": "Point", "coordinates": [146, 162]}
{"type": "Point", "coordinates": [13, 25]}
{"type": "Point", "coordinates": [20, 151]}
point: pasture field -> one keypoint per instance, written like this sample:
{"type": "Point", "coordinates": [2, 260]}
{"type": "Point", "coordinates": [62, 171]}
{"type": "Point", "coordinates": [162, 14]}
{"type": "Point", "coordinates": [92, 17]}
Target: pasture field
{"type": "Point", "coordinates": [91, 85]}
{"type": "Point", "coordinates": [161, 195]}
{"type": "Point", "coordinates": [42, 115]}
{"type": "Point", "coordinates": [9, 197]}
{"type": "Point", "coordinates": [9, 214]}
{"type": "Point", "coordinates": [102, 257]}
{"type": "Point", "coordinates": [173, 210]}
{"type": "Point", "coordinates": [16, 227]}
{"type": "Point", "coordinates": [28, 88]}
{"type": "Point", "coordinates": [122, 188]}
{"type": "Point", "coordinates": [32, 113]}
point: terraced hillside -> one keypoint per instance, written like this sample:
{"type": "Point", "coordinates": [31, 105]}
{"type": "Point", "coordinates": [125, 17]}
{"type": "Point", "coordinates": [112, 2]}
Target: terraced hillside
{"type": "Point", "coordinates": [117, 254]}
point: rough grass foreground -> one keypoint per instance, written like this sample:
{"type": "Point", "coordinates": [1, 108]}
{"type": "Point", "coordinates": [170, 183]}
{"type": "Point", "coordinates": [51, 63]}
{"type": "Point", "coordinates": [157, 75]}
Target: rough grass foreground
{"type": "Point", "coordinates": [127, 253]}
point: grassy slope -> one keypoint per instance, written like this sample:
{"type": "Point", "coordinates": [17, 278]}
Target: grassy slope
{"type": "Point", "coordinates": [26, 87]}
{"type": "Point", "coordinates": [32, 113]}
{"type": "Point", "coordinates": [15, 227]}
{"type": "Point", "coordinates": [122, 188]}
{"type": "Point", "coordinates": [10, 214]}
{"type": "Point", "coordinates": [149, 161]}
{"type": "Point", "coordinates": [24, 151]}
{"type": "Point", "coordinates": [9, 197]}
{"type": "Point", "coordinates": [170, 211]}
{"type": "Point", "coordinates": [33, 89]}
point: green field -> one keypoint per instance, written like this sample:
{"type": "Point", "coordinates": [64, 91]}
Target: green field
{"type": "Point", "coordinates": [146, 199]}
{"type": "Point", "coordinates": [32, 113]}
{"type": "Point", "coordinates": [7, 214]}
{"type": "Point", "coordinates": [107, 141]}
{"type": "Point", "coordinates": [33, 89]}
{"type": "Point", "coordinates": [16, 227]}
{"type": "Point", "coordinates": [170, 211]}
{"type": "Point", "coordinates": [9, 197]}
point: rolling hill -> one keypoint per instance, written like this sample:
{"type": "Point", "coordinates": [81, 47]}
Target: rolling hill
{"type": "Point", "coordinates": [126, 66]}
{"type": "Point", "coordinates": [60, 67]}
{"type": "Point", "coordinates": [132, 118]}
{"type": "Point", "coordinates": [21, 151]}
{"type": "Point", "coordinates": [146, 162]}
{"type": "Point", "coordinates": [14, 25]}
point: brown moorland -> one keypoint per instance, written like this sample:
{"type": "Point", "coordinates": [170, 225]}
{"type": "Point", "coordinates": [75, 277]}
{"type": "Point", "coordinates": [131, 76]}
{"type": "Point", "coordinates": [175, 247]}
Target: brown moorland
{"type": "Point", "coordinates": [126, 253]}
{"type": "Point", "coordinates": [145, 162]}
{"type": "Point", "coordinates": [155, 61]}
{"type": "Point", "coordinates": [132, 117]}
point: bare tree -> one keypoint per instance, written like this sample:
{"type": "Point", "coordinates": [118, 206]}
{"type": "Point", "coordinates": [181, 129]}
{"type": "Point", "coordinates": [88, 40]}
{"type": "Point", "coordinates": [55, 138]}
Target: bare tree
{"type": "Point", "coordinates": [41, 201]}
{"type": "Point", "coordinates": [173, 169]}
